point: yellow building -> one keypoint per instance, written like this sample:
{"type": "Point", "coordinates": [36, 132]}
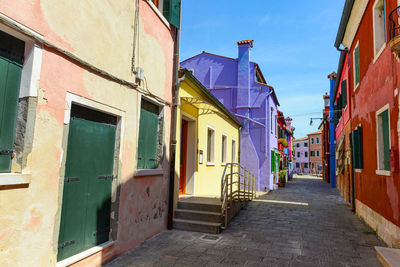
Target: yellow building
{"type": "Point", "coordinates": [207, 139]}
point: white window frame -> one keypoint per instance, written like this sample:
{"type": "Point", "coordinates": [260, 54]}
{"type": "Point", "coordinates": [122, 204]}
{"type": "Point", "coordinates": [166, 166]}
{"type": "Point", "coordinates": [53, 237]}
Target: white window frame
{"type": "Point", "coordinates": [233, 151]}
{"type": "Point", "coordinates": [379, 52]}
{"type": "Point", "coordinates": [224, 148]}
{"type": "Point", "coordinates": [212, 156]}
{"type": "Point", "coordinates": [354, 66]}
{"type": "Point", "coordinates": [159, 12]}
{"type": "Point", "coordinates": [30, 77]}
{"type": "Point", "coordinates": [380, 171]}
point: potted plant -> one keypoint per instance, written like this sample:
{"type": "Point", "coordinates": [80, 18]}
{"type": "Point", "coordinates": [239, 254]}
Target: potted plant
{"type": "Point", "coordinates": [283, 142]}
{"type": "Point", "coordinates": [282, 178]}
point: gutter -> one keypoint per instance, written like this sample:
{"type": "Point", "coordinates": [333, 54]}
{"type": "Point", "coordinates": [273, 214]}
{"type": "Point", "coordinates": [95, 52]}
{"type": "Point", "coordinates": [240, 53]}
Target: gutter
{"type": "Point", "coordinates": [339, 72]}
{"type": "Point", "coordinates": [175, 97]}
{"type": "Point", "coordinates": [348, 6]}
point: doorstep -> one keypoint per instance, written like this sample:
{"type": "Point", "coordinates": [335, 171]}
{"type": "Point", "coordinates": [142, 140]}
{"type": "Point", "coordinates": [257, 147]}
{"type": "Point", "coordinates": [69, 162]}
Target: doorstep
{"type": "Point", "coordinates": [389, 257]}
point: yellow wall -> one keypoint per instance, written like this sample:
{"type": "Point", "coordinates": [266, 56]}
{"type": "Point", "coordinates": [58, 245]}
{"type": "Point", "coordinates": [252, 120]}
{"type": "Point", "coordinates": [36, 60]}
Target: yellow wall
{"type": "Point", "coordinates": [207, 180]}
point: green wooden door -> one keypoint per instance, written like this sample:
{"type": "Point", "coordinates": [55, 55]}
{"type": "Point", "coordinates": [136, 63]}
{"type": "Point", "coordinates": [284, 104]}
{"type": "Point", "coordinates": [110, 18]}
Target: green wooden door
{"type": "Point", "coordinates": [85, 216]}
{"type": "Point", "coordinates": [10, 78]}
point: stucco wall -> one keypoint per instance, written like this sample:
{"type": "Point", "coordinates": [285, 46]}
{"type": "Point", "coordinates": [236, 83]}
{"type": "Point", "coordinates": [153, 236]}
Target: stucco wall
{"type": "Point", "coordinates": [100, 33]}
{"type": "Point", "coordinates": [207, 177]}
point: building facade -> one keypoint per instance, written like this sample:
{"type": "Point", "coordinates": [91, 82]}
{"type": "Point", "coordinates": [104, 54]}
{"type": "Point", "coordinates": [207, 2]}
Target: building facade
{"type": "Point", "coordinates": [239, 84]}
{"type": "Point", "coordinates": [372, 130]}
{"type": "Point", "coordinates": [315, 152]}
{"type": "Point", "coordinates": [81, 178]}
{"type": "Point", "coordinates": [324, 128]}
{"type": "Point", "coordinates": [301, 157]}
{"type": "Point", "coordinates": [208, 138]}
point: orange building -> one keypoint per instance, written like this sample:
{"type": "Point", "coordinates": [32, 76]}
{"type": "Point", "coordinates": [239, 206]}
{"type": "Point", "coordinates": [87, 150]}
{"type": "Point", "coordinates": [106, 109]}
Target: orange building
{"type": "Point", "coordinates": [315, 152]}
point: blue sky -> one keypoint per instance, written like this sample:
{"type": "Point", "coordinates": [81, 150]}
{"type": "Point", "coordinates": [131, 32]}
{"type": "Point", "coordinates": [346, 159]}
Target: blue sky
{"type": "Point", "coordinates": [293, 44]}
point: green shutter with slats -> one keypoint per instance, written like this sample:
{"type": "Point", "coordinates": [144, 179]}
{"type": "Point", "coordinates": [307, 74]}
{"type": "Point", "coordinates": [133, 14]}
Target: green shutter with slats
{"type": "Point", "coordinates": [148, 136]}
{"type": "Point", "coordinates": [172, 11]}
{"type": "Point", "coordinates": [344, 93]}
{"type": "Point", "coordinates": [386, 136]}
{"type": "Point", "coordinates": [272, 161]}
{"type": "Point", "coordinates": [11, 59]}
{"type": "Point", "coordinates": [357, 64]}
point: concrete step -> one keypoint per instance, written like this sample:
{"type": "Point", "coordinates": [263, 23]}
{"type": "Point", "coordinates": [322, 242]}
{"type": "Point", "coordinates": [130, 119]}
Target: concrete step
{"type": "Point", "coordinates": [197, 215]}
{"type": "Point", "coordinates": [197, 226]}
{"type": "Point", "coordinates": [389, 257]}
{"type": "Point", "coordinates": [189, 205]}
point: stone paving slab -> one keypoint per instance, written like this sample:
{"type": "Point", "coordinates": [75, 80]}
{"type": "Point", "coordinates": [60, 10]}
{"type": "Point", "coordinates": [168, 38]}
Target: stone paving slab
{"type": "Point", "coordinates": [306, 223]}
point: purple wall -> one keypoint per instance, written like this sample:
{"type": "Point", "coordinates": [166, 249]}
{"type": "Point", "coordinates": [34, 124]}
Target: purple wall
{"type": "Point", "coordinates": [233, 82]}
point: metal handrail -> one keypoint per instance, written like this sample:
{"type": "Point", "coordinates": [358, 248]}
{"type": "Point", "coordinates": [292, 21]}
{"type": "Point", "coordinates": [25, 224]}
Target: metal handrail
{"type": "Point", "coordinates": [394, 23]}
{"type": "Point", "coordinates": [243, 180]}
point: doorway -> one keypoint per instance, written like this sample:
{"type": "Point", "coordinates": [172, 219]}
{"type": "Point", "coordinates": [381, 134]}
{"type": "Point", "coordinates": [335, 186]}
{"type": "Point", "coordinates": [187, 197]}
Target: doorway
{"type": "Point", "coordinates": [86, 203]}
{"type": "Point", "coordinates": [187, 164]}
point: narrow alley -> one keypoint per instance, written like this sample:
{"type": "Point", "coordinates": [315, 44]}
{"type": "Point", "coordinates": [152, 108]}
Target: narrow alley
{"type": "Point", "coordinates": [304, 224]}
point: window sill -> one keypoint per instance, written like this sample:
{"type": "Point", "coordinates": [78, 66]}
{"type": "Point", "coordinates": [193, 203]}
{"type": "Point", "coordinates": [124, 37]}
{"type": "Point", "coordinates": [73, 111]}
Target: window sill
{"type": "Point", "coordinates": [210, 164]}
{"type": "Point", "coordinates": [152, 172]}
{"type": "Point", "coordinates": [158, 12]}
{"type": "Point", "coordinates": [14, 179]}
{"type": "Point", "coordinates": [383, 172]}
{"type": "Point", "coordinates": [358, 170]}
{"type": "Point", "coordinates": [87, 253]}
{"type": "Point", "coordinates": [379, 53]}
{"type": "Point", "coordinates": [356, 87]}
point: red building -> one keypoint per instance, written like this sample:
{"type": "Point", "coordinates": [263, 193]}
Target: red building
{"type": "Point", "coordinates": [324, 128]}
{"type": "Point", "coordinates": [367, 114]}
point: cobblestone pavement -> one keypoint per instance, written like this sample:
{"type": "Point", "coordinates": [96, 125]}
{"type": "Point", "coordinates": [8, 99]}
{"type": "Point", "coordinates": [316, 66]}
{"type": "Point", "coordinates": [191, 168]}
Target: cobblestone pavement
{"type": "Point", "coordinates": [304, 224]}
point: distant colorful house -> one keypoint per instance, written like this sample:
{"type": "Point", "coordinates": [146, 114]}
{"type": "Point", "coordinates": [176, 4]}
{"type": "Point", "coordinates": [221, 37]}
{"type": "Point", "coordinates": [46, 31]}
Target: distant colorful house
{"type": "Point", "coordinates": [301, 158]}
{"type": "Point", "coordinates": [240, 85]}
{"type": "Point", "coordinates": [324, 128]}
{"type": "Point", "coordinates": [315, 152]}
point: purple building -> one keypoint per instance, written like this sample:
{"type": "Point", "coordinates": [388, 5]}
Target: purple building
{"type": "Point", "coordinates": [301, 158]}
{"type": "Point", "coordinates": [240, 85]}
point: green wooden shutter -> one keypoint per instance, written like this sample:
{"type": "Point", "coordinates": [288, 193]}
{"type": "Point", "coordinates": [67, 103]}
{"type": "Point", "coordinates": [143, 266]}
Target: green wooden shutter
{"type": "Point", "coordinates": [148, 136]}
{"type": "Point", "coordinates": [86, 206]}
{"type": "Point", "coordinates": [272, 161]}
{"type": "Point", "coordinates": [386, 136]}
{"type": "Point", "coordinates": [11, 59]}
{"type": "Point", "coordinates": [360, 147]}
{"type": "Point", "coordinates": [172, 11]}
{"type": "Point", "coordinates": [344, 93]}
{"type": "Point", "coordinates": [357, 65]}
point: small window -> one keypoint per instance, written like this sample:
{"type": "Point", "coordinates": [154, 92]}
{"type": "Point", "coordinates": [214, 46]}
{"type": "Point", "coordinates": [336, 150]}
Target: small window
{"type": "Point", "coordinates": [297, 165]}
{"type": "Point", "coordinates": [210, 145]}
{"type": "Point", "coordinates": [305, 144]}
{"type": "Point", "coordinates": [317, 140]}
{"type": "Point", "coordinates": [170, 9]}
{"type": "Point", "coordinates": [357, 144]}
{"type": "Point", "coordinates": [312, 140]}
{"type": "Point", "coordinates": [356, 65]}
{"type": "Point", "coordinates": [297, 145]}
{"type": "Point", "coordinates": [379, 26]}
{"type": "Point", "coordinates": [317, 153]}
{"type": "Point", "coordinates": [233, 151]}
{"type": "Point", "coordinates": [224, 146]}
{"type": "Point", "coordinates": [312, 153]}
{"type": "Point", "coordinates": [298, 154]}
{"type": "Point", "coordinates": [383, 142]}
{"type": "Point", "coordinates": [272, 111]}
{"type": "Point", "coordinates": [306, 164]}
{"type": "Point", "coordinates": [150, 143]}
{"type": "Point", "coordinates": [306, 154]}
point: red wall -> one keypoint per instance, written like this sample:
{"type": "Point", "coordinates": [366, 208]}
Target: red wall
{"type": "Point", "coordinates": [378, 82]}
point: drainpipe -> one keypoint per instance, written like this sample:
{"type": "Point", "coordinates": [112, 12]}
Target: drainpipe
{"type": "Point", "coordinates": [175, 98]}
{"type": "Point", "coordinates": [332, 159]}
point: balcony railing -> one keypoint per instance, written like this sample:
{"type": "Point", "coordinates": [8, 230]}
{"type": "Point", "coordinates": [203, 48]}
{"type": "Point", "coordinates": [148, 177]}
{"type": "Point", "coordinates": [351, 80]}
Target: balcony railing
{"type": "Point", "coordinates": [394, 26]}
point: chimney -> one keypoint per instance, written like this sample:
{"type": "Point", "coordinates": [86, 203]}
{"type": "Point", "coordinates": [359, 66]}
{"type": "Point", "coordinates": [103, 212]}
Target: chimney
{"type": "Point", "coordinates": [243, 90]}
{"type": "Point", "coordinates": [326, 100]}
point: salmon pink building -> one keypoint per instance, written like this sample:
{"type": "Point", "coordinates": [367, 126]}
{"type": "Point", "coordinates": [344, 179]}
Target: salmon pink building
{"type": "Point", "coordinates": [84, 127]}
